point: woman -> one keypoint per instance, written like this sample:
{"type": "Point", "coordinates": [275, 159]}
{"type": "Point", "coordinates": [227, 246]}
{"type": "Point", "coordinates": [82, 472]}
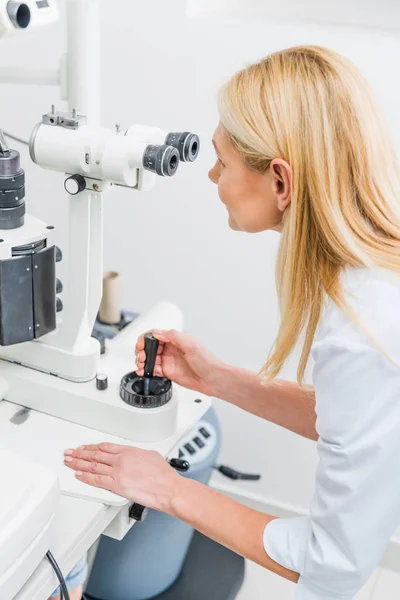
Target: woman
{"type": "Point", "coordinates": [301, 149]}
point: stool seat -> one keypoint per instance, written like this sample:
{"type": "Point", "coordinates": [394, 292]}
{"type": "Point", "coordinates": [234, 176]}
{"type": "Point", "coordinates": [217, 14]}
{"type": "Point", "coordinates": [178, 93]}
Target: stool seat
{"type": "Point", "coordinates": [210, 572]}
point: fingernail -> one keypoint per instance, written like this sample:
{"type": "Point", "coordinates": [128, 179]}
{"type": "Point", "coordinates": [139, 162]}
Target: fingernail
{"type": "Point", "coordinates": [78, 474]}
{"type": "Point", "coordinates": [68, 459]}
{"type": "Point", "coordinates": [159, 332]}
{"type": "Point", "coordinates": [68, 452]}
{"type": "Point", "coordinates": [81, 448]}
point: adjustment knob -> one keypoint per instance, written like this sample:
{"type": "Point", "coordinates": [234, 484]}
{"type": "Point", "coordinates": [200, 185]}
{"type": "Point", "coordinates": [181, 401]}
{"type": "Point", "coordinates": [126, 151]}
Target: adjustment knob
{"type": "Point", "coordinates": [59, 286]}
{"type": "Point", "coordinates": [138, 512]}
{"type": "Point", "coordinates": [147, 391]}
{"type": "Point", "coordinates": [75, 184]}
{"type": "Point", "coordinates": [180, 465]}
{"type": "Point", "coordinates": [59, 255]}
{"type": "Point", "coordinates": [101, 381]}
{"type": "Point", "coordinates": [59, 305]}
{"type": "Point", "coordinates": [132, 391]}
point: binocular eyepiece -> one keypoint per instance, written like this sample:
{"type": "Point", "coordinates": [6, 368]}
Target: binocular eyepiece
{"type": "Point", "coordinates": [187, 144]}
{"type": "Point", "coordinates": [164, 159]}
{"type": "Point", "coordinates": [19, 14]}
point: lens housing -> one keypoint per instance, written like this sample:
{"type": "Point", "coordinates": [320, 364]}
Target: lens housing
{"type": "Point", "coordinates": [163, 160]}
{"type": "Point", "coordinates": [187, 144]}
{"type": "Point", "coordinates": [19, 14]}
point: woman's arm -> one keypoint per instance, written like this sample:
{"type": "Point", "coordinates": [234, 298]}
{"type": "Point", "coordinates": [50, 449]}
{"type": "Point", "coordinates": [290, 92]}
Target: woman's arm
{"type": "Point", "coordinates": [227, 522]}
{"type": "Point", "coordinates": [185, 361]}
{"type": "Point", "coordinates": [146, 478]}
{"type": "Point", "coordinates": [281, 402]}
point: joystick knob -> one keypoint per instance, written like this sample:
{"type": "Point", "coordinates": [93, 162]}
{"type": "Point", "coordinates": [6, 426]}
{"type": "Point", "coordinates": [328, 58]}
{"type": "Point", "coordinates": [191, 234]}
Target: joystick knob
{"type": "Point", "coordinates": [147, 391]}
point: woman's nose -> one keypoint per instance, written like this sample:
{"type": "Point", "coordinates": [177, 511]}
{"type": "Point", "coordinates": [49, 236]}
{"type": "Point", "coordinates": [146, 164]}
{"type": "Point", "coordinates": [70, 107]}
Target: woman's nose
{"type": "Point", "coordinates": [213, 174]}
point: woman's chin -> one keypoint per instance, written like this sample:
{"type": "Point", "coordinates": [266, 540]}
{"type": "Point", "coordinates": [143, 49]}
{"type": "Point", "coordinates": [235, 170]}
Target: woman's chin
{"type": "Point", "coordinates": [232, 223]}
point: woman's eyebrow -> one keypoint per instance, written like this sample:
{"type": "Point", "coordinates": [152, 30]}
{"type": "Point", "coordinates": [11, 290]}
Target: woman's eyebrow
{"type": "Point", "coordinates": [215, 146]}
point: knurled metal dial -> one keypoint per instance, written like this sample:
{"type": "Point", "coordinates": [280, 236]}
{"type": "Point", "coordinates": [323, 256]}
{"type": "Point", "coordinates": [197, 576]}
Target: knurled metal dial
{"type": "Point", "coordinates": [132, 386]}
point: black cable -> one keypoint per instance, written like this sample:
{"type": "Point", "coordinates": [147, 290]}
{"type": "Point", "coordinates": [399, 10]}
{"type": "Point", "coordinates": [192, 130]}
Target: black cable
{"type": "Point", "coordinates": [16, 139]}
{"type": "Point", "coordinates": [64, 595]}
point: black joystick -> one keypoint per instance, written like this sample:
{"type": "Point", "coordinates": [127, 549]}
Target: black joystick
{"type": "Point", "coordinates": [151, 349]}
{"type": "Point", "coordinates": [148, 391]}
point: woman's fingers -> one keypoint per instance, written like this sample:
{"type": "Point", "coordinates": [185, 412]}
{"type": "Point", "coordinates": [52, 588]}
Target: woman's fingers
{"type": "Point", "coordinates": [103, 447]}
{"type": "Point", "coordinates": [141, 359]}
{"type": "Point", "coordinates": [87, 466]}
{"type": "Point", "coordinates": [96, 456]}
{"type": "Point", "coordinates": [140, 344]}
{"type": "Point", "coordinates": [101, 481]}
{"type": "Point", "coordinates": [157, 371]}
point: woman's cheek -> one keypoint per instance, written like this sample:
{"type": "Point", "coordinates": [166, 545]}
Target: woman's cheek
{"type": "Point", "coordinates": [225, 191]}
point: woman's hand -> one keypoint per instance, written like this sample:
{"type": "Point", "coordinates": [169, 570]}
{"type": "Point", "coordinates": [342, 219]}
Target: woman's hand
{"type": "Point", "coordinates": [184, 360]}
{"type": "Point", "coordinates": [141, 476]}
{"type": "Point", "coordinates": [144, 477]}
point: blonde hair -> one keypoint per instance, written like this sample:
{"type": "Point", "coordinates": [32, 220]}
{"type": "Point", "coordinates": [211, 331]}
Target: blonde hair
{"type": "Point", "coordinates": [311, 107]}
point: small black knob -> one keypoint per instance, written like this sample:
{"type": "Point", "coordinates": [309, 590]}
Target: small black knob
{"type": "Point", "coordinates": [75, 184]}
{"type": "Point", "coordinates": [59, 255]}
{"type": "Point", "coordinates": [180, 465]}
{"type": "Point", "coordinates": [101, 381]}
{"type": "Point", "coordinates": [59, 305]}
{"type": "Point", "coordinates": [150, 348]}
{"type": "Point", "coordinates": [59, 286]}
{"type": "Point", "coordinates": [138, 512]}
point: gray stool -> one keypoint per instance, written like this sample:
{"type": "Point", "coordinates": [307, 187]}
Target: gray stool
{"type": "Point", "coordinates": [210, 572]}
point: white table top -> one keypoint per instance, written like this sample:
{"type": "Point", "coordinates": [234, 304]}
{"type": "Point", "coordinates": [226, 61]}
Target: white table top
{"type": "Point", "coordinates": [43, 439]}
{"type": "Point", "coordinates": [78, 524]}
{"type": "Point", "coordinates": [84, 512]}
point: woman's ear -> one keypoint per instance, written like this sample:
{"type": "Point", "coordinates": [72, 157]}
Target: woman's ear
{"type": "Point", "coordinates": [282, 178]}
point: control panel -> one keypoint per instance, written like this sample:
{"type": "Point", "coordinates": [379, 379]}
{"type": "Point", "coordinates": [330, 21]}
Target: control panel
{"type": "Point", "coordinates": [197, 445]}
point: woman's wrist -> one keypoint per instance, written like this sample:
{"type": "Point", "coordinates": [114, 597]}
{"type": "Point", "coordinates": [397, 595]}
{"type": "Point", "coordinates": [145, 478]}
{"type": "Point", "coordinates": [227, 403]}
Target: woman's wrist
{"type": "Point", "coordinates": [181, 498]}
{"type": "Point", "coordinates": [221, 382]}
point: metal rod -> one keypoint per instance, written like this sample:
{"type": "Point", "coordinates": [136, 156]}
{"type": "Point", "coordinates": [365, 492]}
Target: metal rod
{"type": "Point", "coordinates": [83, 64]}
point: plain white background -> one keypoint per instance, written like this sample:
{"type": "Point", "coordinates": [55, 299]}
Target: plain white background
{"type": "Point", "coordinates": [174, 243]}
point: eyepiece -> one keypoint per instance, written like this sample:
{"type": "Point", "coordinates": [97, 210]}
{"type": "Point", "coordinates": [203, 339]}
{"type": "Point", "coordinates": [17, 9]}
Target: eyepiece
{"type": "Point", "coordinates": [163, 160]}
{"type": "Point", "coordinates": [19, 14]}
{"type": "Point", "coordinates": [187, 144]}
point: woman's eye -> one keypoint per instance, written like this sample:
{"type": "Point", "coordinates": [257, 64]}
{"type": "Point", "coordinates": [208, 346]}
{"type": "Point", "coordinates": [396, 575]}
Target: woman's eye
{"type": "Point", "coordinates": [221, 163]}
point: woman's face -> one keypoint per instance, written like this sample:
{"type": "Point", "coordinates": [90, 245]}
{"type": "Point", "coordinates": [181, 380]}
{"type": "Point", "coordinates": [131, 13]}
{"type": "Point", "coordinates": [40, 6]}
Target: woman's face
{"type": "Point", "coordinates": [254, 201]}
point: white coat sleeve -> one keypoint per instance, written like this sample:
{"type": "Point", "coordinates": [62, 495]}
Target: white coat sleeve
{"type": "Point", "coordinates": [356, 507]}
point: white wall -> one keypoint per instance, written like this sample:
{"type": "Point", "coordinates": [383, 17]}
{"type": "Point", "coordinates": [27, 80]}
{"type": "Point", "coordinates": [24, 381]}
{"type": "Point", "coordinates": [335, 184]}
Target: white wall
{"type": "Point", "coordinates": [174, 242]}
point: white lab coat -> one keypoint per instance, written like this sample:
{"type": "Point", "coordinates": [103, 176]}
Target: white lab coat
{"type": "Point", "coordinates": [356, 507]}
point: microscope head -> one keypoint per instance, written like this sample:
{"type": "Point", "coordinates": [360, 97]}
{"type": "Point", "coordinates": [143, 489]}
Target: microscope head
{"type": "Point", "coordinates": [17, 16]}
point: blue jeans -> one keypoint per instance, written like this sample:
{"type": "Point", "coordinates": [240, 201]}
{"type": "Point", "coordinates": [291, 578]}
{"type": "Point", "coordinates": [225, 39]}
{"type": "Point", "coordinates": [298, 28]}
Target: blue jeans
{"type": "Point", "coordinates": [76, 578]}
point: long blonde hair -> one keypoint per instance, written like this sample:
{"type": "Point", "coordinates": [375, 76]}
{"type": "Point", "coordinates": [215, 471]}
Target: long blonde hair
{"type": "Point", "coordinates": [311, 107]}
